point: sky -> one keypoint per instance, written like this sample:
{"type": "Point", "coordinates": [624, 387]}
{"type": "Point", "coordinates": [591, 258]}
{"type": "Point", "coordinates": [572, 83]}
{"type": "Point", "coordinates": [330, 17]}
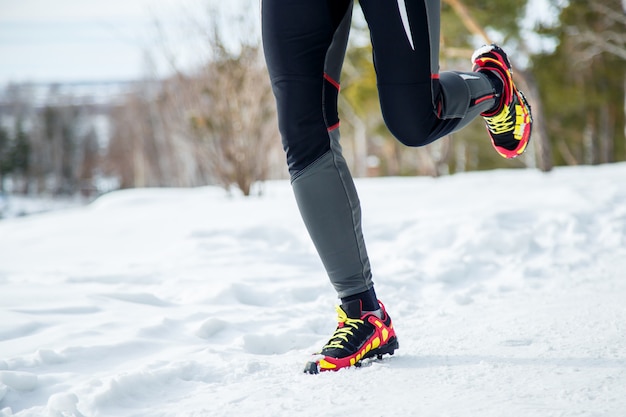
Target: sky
{"type": "Point", "coordinates": [70, 40]}
{"type": "Point", "coordinates": [88, 40]}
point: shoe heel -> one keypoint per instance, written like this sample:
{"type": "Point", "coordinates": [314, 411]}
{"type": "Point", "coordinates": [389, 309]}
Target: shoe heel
{"type": "Point", "coordinates": [388, 349]}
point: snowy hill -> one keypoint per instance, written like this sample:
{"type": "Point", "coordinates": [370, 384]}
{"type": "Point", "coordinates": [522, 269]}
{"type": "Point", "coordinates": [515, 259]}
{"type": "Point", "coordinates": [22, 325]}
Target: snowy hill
{"type": "Point", "coordinates": [506, 288]}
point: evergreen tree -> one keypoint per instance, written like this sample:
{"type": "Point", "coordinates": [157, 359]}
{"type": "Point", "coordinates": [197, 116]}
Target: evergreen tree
{"type": "Point", "coordinates": [582, 85]}
{"type": "Point", "coordinates": [5, 153]}
{"type": "Point", "coordinates": [21, 151]}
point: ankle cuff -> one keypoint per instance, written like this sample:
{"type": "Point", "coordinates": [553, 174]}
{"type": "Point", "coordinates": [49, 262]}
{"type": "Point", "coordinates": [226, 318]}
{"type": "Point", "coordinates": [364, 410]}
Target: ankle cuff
{"type": "Point", "coordinates": [369, 301]}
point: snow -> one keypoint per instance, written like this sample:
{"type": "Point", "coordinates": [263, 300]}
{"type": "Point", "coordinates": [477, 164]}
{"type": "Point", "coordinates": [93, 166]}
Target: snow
{"type": "Point", "coordinates": [506, 289]}
{"type": "Point", "coordinates": [18, 205]}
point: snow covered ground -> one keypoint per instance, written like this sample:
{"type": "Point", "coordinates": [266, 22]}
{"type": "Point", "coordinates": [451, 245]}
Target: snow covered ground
{"type": "Point", "coordinates": [507, 290]}
{"type": "Point", "coordinates": [18, 206]}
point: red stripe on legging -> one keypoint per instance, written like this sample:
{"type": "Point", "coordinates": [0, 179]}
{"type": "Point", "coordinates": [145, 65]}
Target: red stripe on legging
{"type": "Point", "coordinates": [333, 127]}
{"type": "Point", "coordinates": [333, 82]}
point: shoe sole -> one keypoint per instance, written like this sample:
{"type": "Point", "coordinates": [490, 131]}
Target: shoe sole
{"type": "Point", "coordinates": [388, 348]}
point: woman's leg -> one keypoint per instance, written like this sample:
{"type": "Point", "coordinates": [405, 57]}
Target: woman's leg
{"type": "Point", "coordinates": [304, 43]}
{"type": "Point", "coordinates": [418, 103]}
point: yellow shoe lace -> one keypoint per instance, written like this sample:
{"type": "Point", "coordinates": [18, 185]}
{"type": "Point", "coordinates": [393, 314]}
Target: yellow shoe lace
{"type": "Point", "coordinates": [501, 122]}
{"type": "Point", "coordinates": [342, 332]}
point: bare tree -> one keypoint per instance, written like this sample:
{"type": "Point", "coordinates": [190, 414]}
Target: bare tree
{"type": "Point", "coordinates": [234, 120]}
{"type": "Point", "coordinates": [213, 124]}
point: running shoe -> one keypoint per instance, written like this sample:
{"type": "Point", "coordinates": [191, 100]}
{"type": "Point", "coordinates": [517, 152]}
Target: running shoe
{"type": "Point", "coordinates": [510, 123]}
{"type": "Point", "coordinates": [359, 335]}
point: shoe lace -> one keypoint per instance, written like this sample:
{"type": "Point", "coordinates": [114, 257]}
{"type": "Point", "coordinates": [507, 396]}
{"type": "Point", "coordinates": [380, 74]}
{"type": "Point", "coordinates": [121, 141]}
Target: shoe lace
{"type": "Point", "coordinates": [345, 329]}
{"type": "Point", "coordinates": [501, 122]}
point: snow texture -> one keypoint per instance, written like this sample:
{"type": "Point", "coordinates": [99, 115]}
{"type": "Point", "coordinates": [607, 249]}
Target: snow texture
{"type": "Point", "coordinates": [506, 288]}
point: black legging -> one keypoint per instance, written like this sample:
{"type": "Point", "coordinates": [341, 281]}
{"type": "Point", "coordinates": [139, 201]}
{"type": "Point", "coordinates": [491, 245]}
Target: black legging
{"type": "Point", "coordinates": [304, 43]}
{"type": "Point", "coordinates": [297, 38]}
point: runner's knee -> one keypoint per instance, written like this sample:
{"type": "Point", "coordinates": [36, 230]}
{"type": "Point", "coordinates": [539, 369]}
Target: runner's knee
{"type": "Point", "coordinates": [411, 128]}
{"type": "Point", "coordinates": [408, 113]}
{"type": "Point", "coordinates": [301, 121]}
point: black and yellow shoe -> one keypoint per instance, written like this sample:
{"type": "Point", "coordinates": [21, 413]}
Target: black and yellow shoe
{"type": "Point", "coordinates": [510, 123]}
{"type": "Point", "coordinates": [358, 336]}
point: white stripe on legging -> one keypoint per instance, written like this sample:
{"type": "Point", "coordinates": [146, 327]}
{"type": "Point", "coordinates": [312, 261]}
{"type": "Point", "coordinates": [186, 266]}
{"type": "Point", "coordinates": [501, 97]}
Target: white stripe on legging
{"type": "Point", "coordinates": [405, 21]}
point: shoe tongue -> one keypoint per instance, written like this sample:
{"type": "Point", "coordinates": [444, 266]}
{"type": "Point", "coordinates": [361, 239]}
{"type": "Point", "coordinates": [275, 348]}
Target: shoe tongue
{"type": "Point", "coordinates": [352, 309]}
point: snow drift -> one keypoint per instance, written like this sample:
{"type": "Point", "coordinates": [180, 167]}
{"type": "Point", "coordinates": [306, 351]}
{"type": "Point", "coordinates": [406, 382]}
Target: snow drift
{"type": "Point", "coordinates": [506, 288]}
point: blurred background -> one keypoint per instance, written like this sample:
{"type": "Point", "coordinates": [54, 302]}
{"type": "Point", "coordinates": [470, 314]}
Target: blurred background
{"type": "Point", "coordinates": [99, 96]}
